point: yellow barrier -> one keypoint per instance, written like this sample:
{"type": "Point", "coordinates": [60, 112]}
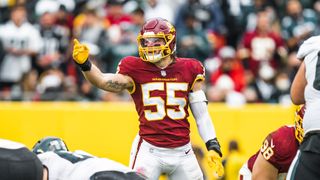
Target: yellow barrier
{"type": "Point", "coordinates": [107, 129]}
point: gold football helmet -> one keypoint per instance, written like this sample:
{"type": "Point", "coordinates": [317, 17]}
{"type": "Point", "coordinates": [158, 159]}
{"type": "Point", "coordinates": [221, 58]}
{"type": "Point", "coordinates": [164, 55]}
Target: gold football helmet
{"type": "Point", "coordinates": [156, 40]}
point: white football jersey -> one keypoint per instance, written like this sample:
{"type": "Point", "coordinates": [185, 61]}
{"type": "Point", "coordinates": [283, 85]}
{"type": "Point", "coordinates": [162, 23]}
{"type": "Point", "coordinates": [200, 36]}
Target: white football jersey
{"type": "Point", "coordinates": [309, 52]}
{"type": "Point", "coordinates": [7, 144]}
{"type": "Point", "coordinates": [64, 165]}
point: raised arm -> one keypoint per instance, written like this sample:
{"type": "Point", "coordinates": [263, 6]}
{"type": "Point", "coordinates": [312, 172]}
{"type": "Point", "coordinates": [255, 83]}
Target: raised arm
{"type": "Point", "coordinates": [106, 81]}
{"type": "Point", "coordinates": [198, 106]}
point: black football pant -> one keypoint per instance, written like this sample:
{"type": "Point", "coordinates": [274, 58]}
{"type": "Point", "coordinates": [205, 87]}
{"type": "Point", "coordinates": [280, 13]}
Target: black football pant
{"type": "Point", "coordinates": [19, 164]}
{"type": "Point", "coordinates": [306, 165]}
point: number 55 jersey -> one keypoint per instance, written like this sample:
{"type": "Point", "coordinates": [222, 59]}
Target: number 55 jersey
{"type": "Point", "coordinates": [161, 98]}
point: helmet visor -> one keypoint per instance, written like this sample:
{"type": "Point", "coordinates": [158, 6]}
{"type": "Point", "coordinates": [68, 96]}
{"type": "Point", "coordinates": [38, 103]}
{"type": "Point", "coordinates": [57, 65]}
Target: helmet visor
{"type": "Point", "coordinates": [152, 41]}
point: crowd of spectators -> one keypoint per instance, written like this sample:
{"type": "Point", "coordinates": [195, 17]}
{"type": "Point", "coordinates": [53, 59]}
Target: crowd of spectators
{"type": "Point", "coordinates": [247, 46]}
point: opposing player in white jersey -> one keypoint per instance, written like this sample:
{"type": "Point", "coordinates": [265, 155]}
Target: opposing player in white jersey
{"type": "Point", "coordinates": [306, 89]}
{"type": "Point", "coordinates": [18, 163]}
{"type": "Point", "coordinates": [62, 164]}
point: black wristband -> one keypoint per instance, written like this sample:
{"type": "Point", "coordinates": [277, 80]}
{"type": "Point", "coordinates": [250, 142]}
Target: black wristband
{"type": "Point", "coordinates": [213, 144]}
{"type": "Point", "coordinates": [86, 66]}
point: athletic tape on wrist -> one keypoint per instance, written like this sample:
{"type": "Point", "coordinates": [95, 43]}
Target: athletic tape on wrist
{"type": "Point", "coordinates": [86, 66]}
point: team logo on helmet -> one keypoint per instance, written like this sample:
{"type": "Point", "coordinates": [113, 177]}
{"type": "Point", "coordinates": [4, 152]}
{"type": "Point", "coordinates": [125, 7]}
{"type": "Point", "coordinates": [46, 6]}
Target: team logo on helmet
{"type": "Point", "coordinates": [49, 144]}
{"type": "Point", "coordinates": [171, 27]}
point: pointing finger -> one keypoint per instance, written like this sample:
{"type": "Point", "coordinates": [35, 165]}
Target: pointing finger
{"type": "Point", "coordinates": [85, 47]}
{"type": "Point", "coordinates": [76, 42]}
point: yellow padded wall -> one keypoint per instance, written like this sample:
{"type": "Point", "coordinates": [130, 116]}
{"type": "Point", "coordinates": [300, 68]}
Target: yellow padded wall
{"type": "Point", "coordinates": [107, 129]}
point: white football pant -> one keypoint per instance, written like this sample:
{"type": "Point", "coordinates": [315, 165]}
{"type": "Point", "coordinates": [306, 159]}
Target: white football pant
{"type": "Point", "coordinates": [244, 172]}
{"type": "Point", "coordinates": [178, 163]}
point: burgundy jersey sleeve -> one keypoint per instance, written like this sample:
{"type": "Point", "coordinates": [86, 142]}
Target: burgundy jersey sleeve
{"type": "Point", "coordinates": [125, 66]}
{"type": "Point", "coordinates": [197, 70]}
{"type": "Point", "coordinates": [252, 160]}
{"type": "Point", "coordinates": [280, 147]}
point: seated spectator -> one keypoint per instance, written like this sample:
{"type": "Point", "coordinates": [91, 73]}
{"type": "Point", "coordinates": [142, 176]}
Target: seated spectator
{"type": "Point", "coordinates": [282, 85]}
{"type": "Point", "coordinates": [50, 85]}
{"type": "Point", "coordinates": [116, 13]}
{"type": "Point", "coordinates": [64, 18]}
{"type": "Point", "coordinates": [26, 89]}
{"type": "Point", "coordinates": [56, 38]}
{"type": "Point", "coordinates": [158, 8]}
{"type": "Point", "coordinates": [138, 19]}
{"type": "Point", "coordinates": [262, 45]}
{"type": "Point", "coordinates": [226, 78]}
{"type": "Point", "coordinates": [262, 89]}
{"type": "Point", "coordinates": [124, 45]}
{"type": "Point", "coordinates": [234, 15]}
{"type": "Point", "coordinates": [192, 42]}
{"type": "Point", "coordinates": [207, 13]}
{"type": "Point", "coordinates": [91, 29]}
{"type": "Point", "coordinates": [298, 24]}
{"type": "Point", "coordinates": [229, 65]}
{"type": "Point", "coordinates": [88, 92]}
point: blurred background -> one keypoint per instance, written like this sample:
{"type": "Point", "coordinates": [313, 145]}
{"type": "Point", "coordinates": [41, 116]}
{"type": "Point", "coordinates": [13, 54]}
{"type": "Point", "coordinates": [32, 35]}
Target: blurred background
{"type": "Point", "coordinates": [247, 46]}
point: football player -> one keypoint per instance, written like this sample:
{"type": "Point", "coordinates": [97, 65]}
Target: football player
{"type": "Point", "coordinates": [61, 164]}
{"type": "Point", "coordinates": [278, 149]}
{"type": "Point", "coordinates": [162, 87]}
{"type": "Point", "coordinates": [306, 89]}
{"type": "Point", "coordinates": [18, 163]}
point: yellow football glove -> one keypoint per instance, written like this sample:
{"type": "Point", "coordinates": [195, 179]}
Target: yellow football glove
{"type": "Point", "coordinates": [80, 52]}
{"type": "Point", "coordinates": [215, 163]}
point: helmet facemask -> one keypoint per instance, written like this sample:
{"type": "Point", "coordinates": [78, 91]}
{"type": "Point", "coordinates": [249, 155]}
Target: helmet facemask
{"type": "Point", "coordinates": [154, 47]}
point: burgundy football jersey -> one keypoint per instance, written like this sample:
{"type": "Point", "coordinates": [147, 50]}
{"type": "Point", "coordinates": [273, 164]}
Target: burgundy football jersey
{"type": "Point", "coordinates": [161, 98]}
{"type": "Point", "coordinates": [279, 149]}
